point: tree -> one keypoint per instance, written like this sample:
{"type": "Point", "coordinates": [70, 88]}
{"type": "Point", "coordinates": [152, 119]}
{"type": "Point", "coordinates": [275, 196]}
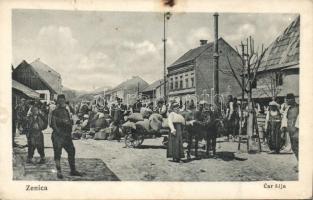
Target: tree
{"type": "Point", "coordinates": [245, 73]}
{"type": "Point", "coordinates": [271, 84]}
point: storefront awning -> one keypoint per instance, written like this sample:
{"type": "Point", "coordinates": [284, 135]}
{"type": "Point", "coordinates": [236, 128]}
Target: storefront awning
{"type": "Point", "coordinates": [24, 89]}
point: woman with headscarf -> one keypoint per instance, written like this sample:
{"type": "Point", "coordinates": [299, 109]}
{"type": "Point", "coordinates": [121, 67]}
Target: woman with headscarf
{"type": "Point", "coordinates": [175, 144]}
{"type": "Point", "coordinates": [272, 127]}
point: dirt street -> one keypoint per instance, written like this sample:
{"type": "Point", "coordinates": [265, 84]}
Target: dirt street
{"type": "Point", "coordinates": [110, 160]}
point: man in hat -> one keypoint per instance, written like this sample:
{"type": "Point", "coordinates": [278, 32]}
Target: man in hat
{"type": "Point", "coordinates": [161, 108]}
{"type": "Point", "coordinates": [290, 122]}
{"type": "Point", "coordinates": [137, 106]}
{"type": "Point", "coordinates": [61, 136]}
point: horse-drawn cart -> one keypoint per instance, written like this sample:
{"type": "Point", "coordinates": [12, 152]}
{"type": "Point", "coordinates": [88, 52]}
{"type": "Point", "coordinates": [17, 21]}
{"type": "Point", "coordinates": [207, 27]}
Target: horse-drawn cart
{"type": "Point", "coordinates": [136, 129]}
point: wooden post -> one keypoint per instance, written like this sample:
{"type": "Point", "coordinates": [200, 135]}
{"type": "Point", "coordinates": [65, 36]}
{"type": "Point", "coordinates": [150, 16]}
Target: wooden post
{"type": "Point", "coordinates": [215, 55]}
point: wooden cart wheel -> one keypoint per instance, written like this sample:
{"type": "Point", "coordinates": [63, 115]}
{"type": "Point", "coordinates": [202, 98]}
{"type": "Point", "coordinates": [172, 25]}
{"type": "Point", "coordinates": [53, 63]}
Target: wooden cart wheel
{"type": "Point", "coordinates": [133, 140]}
{"type": "Point", "coordinates": [139, 140]}
{"type": "Point", "coordinates": [129, 140]}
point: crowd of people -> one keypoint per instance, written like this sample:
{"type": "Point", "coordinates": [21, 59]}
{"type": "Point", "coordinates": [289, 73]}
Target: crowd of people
{"type": "Point", "coordinates": [85, 119]}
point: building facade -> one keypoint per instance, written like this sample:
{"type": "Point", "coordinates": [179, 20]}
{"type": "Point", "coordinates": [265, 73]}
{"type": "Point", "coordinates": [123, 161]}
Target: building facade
{"type": "Point", "coordinates": [39, 77]}
{"type": "Point", "coordinates": [279, 71]}
{"type": "Point", "coordinates": [153, 92]}
{"type": "Point", "coordinates": [192, 75]}
{"type": "Point", "coordinates": [128, 90]}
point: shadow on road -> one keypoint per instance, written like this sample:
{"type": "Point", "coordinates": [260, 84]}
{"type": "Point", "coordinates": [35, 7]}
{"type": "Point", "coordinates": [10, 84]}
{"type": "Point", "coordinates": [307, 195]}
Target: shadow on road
{"type": "Point", "coordinates": [151, 147]}
{"type": "Point", "coordinates": [222, 155]}
{"type": "Point", "coordinates": [92, 168]}
{"type": "Point", "coordinates": [228, 156]}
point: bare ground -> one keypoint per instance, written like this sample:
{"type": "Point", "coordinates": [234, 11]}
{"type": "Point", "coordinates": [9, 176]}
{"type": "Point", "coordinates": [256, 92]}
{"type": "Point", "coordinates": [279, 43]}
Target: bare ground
{"type": "Point", "coordinates": [104, 160]}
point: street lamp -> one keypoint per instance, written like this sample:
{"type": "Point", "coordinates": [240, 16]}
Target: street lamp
{"type": "Point", "coordinates": [166, 16]}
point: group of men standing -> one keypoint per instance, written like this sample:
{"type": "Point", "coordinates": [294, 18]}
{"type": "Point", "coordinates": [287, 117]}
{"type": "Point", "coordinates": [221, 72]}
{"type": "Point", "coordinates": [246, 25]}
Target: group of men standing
{"type": "Point", "coordinates": [33, 119]}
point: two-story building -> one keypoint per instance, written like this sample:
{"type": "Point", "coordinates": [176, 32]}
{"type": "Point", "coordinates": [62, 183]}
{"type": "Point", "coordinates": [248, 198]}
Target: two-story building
{"type": "Point", "coordinates": [192, 75]}
{"type": "Point", "coordinates": [279, 70]}
{"type": "Point", "coordinates": [153, 92]}
{"type": "Point", "coordinates": [39, 77]}
{"type": "Point", "coordinates": [128, 90]}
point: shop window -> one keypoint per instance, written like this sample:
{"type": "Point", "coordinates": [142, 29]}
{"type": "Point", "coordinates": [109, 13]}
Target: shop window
{"type": "Point", "coordinates": [176, 84]}
{"type": "Point", "coordinates": [171, 85]}
{"type": "Point", "coordinates": [42, 96]}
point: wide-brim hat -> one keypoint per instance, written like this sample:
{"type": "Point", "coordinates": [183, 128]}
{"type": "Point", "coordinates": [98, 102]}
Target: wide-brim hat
{"type": "Point", "coordinates": [290, 96]}
{"type": "Point", "coordinates": [160, 100]}
{"type": "Point", "coordinates": [273, 103]}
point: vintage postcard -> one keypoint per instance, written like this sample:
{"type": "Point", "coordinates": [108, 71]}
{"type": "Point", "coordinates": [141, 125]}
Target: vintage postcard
{"type": "Point", "coordinates": [156, 99]}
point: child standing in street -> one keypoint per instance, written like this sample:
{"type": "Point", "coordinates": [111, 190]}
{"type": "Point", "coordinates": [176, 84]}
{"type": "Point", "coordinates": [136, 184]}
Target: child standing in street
{"type": "Point", "coordinates": [37, 122]}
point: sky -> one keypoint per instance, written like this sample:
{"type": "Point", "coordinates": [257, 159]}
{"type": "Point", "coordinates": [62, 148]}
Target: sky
{"type": "Point", "coordinates": [101, 49]}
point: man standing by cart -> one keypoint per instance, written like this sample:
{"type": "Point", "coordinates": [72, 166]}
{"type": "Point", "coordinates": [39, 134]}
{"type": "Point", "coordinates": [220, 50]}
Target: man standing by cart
{"type": "Point", "coordinates": [61, 136]}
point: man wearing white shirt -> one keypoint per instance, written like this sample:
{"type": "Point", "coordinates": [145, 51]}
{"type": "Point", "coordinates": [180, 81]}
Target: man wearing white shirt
{"type": "Point", "coordinates": [290, 122]}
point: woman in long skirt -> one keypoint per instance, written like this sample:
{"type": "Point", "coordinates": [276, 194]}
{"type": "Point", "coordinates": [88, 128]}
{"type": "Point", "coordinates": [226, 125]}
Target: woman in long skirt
{"type": "Point", "coordinates": [275, 137]}
{"type": "Point", "coordinates": [175, 144]}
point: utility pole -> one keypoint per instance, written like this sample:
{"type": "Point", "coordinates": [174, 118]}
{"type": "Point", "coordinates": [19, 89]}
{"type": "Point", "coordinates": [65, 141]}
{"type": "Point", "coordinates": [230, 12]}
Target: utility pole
{"type": "Point", "coordinates": [215, 55]}
{"type": "Point", "coordinates": [166, 16]}
{"type": "Point", "coordinates": [243, 57]}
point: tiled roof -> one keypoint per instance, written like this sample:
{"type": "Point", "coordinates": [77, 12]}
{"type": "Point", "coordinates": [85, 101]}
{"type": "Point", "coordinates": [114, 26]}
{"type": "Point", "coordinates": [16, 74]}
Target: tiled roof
{"type": "Point", "coordinates": [48, 74]}
{"type": "Point", "coordinates": [130, 84]}
{"type": "Point", "coordinates": [193, 53]}
{"type": "Point", "coordinates": [153, 85]}
{"type": "Point", "coordinates": [26, 90]}
{"type": "Point", "coordinates": [284, 51]}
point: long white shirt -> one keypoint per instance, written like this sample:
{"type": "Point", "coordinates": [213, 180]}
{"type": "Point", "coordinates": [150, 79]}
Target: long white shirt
{"type": "Point", "coordinates": [175, 118]}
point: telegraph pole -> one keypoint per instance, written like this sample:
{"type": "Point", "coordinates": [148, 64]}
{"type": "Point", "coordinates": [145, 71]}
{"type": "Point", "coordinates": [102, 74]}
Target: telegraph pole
{"type": "Point", "coordinates": [166, 16]}
{"type": "Point", "coordinates": [215, 55]}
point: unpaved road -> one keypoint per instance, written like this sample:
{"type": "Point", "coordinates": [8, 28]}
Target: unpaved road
{"type": "Point", "coordinates": [149, 163]}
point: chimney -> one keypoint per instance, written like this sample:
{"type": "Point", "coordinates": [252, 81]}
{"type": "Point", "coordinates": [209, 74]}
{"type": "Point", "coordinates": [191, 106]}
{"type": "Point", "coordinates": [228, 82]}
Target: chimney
{"type": "Point", "coordinates": [203, 42]}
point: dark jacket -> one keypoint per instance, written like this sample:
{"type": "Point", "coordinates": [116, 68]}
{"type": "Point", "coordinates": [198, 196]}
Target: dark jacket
{"type": "Point", "coordinates": [37, 124]}
{"type": "Point", "coordinates": [61, 122]}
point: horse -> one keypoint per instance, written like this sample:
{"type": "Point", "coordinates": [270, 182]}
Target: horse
{"type": "Point", "coordinates": [207, 129]}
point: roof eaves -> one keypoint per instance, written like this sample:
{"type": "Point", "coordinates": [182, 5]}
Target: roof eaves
{"type": "Point", "coordinates": [42, 79]}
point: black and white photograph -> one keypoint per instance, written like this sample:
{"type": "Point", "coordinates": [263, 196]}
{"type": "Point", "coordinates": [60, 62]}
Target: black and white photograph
{"type": "Point", "coordinates": [164, 96]}
{"type": "Point", "coordinates": [135, 96]}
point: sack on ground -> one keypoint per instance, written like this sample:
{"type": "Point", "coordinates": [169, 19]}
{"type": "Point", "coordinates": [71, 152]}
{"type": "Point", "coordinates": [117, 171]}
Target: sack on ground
{"type": "Point", "coordinates": [101, 123]}
{"type": "Point", "coordinates": [76, 135]}
{"type": "Point", "coordinates": [135, 117]}
{"type": "Point", "coordinates": [129, 124]}
{"type": "Point", "coordinates": [114, 132]}
{"type": "Point", "coordinates": [146, 112]}
{"type": "Point", "coordinates": [165, 123]}
{"type": "Point", "coordinates": [101, 135]}
{"type": "Point", "coordinates": [156, 121]}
